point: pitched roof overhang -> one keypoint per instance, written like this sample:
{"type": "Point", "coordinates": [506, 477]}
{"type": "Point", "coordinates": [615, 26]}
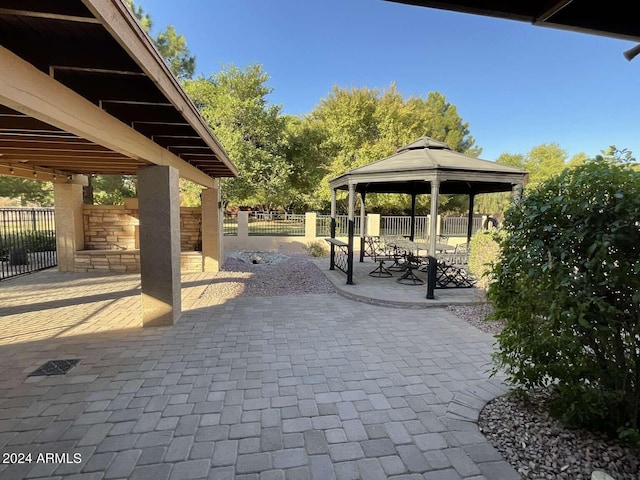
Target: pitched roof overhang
{"type": "Point", "coordinates": [83, 90]}
{"type": "Point", "coordinates": [616, 18]}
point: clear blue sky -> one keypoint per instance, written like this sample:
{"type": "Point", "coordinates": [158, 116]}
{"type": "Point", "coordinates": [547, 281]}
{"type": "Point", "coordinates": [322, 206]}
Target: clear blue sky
{"type": "Point", "coordinates": [517, 85]}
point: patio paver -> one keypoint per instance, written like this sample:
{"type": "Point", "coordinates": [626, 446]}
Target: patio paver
{"type": "Point", "coordinates": [311, 386]}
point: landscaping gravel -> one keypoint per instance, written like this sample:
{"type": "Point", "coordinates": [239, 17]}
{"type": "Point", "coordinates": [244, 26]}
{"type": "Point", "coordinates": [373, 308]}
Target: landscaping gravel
{"type": "Point", "coordinates": [267, 274]}
{"type": "Point", "coordinates": [536, 444]}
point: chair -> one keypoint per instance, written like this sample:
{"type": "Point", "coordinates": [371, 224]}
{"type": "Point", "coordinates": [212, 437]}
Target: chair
{"type": "Point", "coordinates": [409, 277]}
{"type": "Point", "coordinates": [379, 251]}
{"type": "Point", "coordinates": [462, 248]}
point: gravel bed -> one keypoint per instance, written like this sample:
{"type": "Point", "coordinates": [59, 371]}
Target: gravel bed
{"type": "Point", "coordinates": [539, 447]}
{"type": "Point", "coordinates": [536, 444]}
{"type": "Point", "coordinates": [267, 274]}
{"type": "Point", "coordinates": [475, 315]}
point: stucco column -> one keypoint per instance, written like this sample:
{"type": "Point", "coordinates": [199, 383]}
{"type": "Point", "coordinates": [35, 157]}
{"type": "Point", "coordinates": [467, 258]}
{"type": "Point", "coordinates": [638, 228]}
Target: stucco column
{"type": "Point", "coordinates": [373, 224]}
{"type": "Point", "coordinates": [310, 220]}
{"type": "Point", "coordinates": [69, 223]}
{"type": "Point", "coordinates": [212, 239]}
{"type": "Point", "coordinates": [159, 210]}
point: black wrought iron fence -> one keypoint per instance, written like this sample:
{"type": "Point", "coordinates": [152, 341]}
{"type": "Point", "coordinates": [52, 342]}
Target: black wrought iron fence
{"type": "Point", "coordinates": [27, 240]}
{"type": "Point", "coordinates": [323, 225]}
{"type": "Point", "coordinates": [276, 224]}
{"type": "Point", "coordinates": [230, 224]}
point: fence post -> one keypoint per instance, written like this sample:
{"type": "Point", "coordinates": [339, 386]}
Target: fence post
{"type": "Point", "coordinates": [373, 224]}
{"type": "Point", "coordinates": [243, 224]}
{"type": "Point", "coordinates": [438, 225]}
{"type": "Point", "coordinates": [310, 225]}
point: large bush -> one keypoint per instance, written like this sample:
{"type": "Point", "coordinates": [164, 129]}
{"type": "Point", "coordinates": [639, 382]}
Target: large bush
{"type": "Point", "coordinates": [568, 287]}
{"type": "Point", "coordinates": [483, 253]}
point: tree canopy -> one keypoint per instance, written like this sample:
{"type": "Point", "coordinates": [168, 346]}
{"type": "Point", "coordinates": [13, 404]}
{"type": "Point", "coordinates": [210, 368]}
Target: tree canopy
{"type": "Point", "coordinates": [234, 104]}
{"type": "Point", "coordinates": [356, 126]}
{"type": "Point", "coordinates": [171, 45]}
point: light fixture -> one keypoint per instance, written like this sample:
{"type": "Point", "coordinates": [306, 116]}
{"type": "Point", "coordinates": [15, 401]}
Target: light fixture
{"type": "Point", "coordinates": [35, 174]}
{"type": "Point", "coordinates": [632, 52]}
{"type": "Point", "coordinates": [11, 170]}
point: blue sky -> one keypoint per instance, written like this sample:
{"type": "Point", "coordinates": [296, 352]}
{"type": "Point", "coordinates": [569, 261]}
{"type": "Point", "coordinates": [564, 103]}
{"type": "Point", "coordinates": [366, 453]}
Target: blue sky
{"type": "Point", "coordinates": [517, 85]}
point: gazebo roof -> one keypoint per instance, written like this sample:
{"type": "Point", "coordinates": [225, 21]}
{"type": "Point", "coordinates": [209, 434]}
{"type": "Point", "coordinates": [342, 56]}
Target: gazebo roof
{"type": "Point", "coordinates": [413, 167]}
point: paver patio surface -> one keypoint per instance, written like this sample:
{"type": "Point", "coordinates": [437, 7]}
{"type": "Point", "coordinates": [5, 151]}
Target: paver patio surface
{"type": "Point", "coordinates": [288, 387]}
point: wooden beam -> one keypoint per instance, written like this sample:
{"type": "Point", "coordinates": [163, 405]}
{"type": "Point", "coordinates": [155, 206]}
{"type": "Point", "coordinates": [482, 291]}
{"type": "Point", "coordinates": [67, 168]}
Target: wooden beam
{"type": "Point", "coordinates": [22, 86]}
{"type": "Point", "coordinates": [51, 16]}
{"type": "Point", "coordinates": [120, 22]}
{"type": "Point", "coordinates": [43, 175]}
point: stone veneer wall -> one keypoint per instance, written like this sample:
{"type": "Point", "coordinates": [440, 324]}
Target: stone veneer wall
{"type": "Point", "coordinates": [111, 239]}
{"type": "Point", "coordinates": [114, 227]}
{"type": "Point", "coordinates": [190, 226]}
{"type": "Point", "coordinates": [109, 227]}
{"type": "Point", "coordinates": [127, 261]}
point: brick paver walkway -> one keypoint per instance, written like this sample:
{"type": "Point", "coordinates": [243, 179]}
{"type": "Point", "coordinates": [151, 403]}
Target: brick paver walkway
{"type": "Point", "coordinates": [308, 387]}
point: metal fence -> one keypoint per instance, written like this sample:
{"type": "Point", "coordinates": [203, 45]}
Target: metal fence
{"type": "Point", "coordinates": [276, 224]}
{"type": "Point", "coordinates": [323, 225]}
{"type": "Point", "coordinates": [293, 224]}
{"type": "Point", "coordinates": [27, 240]}
{"type": "Point", "coordinates": [401, 225]}
{"type": "Point", "coordinates": [230, 224]}
{"type": "Point", "coordinates": [457, 226]}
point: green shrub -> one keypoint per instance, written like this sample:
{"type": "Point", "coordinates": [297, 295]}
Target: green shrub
{"type": "Point", "coordinates": [567, 286]}
{"type": "Point", "coordinates": [483, 253]}
{"type": "Point", "coordinates": [317, 249]}
{"type": "Point", "coordinates": [31, 241]}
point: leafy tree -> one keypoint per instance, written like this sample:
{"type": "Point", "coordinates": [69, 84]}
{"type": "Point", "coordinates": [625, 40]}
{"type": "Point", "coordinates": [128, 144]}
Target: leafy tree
{"type": "Point", "coordinates": [112, 189]}
{"type": "Point", "coordinates": [190, 193]}
{"type": "Point", "coordinates": [359, 125]}
{"type": "Point", "coordinates": [234, 104]}
{"type": "Point", "coordinates": [567, 287]}
{"type": "Point", "coordinates": [174, 50]}
{"type": "Point", "coordinates": [171, 45]}
{"type": "Point", "coordinates": [27, 190]}
{"type": "Point", "coordinates": [542, 162]}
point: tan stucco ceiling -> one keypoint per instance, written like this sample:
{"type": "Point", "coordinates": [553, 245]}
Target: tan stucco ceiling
{"type": "Point", "coordinates": [83, 90]}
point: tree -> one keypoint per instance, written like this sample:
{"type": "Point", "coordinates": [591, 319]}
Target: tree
{"type": "Point", "coordinates": [234, 104]}
{"type": "Point", "coordinates": [171, 45]}
{"type": "Point", "coordinates": [567, 286]}
{"type": "Point", "coordinates": [27, 190]}
{"type": "Point", "coordinates": [113, 189]}
{"type": "Point", "coordinates": [542, 162]}
{"type": "Point", "coordinates": [356, 126]}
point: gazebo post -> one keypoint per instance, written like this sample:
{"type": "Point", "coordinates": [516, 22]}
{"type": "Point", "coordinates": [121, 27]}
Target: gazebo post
{"type": "Point", "coordinates": [332, 254]}
{"type": "Point", "coordinates": [516, 192]}
{"type": "Point", "coordinates": [412, 234]}
{"type": "Point", "coordinates": [472, 197]}
{"type": "Point", "coordinates": [362, 225]}
{"type": "Point", "coordinates": [352, 199]}
{"type": "Point", "coordinates": [435, 190]}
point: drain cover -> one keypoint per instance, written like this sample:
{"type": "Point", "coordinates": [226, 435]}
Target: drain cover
{"type": "Point", "coordinates": [55, 367]}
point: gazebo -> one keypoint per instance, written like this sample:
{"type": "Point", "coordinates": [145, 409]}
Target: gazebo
{"type": "Point", "coordinates": [426, 166]}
